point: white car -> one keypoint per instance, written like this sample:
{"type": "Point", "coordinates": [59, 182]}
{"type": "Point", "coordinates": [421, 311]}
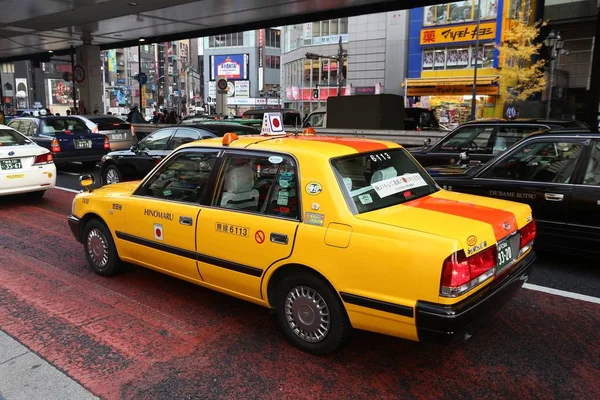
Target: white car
{"type": "Point", "coordinates": [25, 167]}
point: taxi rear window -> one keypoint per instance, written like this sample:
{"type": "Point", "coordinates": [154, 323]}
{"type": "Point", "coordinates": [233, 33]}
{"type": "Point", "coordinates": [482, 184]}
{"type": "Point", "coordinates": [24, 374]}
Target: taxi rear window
{"type": "Point", "coordinates": [372, 181]}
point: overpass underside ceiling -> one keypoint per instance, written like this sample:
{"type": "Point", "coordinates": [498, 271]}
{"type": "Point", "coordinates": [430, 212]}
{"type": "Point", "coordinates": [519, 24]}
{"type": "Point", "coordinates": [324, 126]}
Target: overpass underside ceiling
{"type": "Point", "coordinates": [35, 27]}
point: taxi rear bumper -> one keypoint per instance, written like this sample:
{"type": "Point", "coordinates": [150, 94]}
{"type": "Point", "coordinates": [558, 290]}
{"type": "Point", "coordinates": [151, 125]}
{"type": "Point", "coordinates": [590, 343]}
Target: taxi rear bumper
{"type": "Point", "coordinates": [447, 323]}
{"type": "Point", "coordinates": [74, 225]}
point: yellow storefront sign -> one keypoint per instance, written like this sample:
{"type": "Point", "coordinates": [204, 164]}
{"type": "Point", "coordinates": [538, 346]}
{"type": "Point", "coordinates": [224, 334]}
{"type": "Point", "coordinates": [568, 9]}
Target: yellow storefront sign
{"type": "Point", "coordinates": [457, 34]}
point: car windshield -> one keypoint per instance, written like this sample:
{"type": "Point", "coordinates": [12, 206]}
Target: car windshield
{"type": "Point", "coordinates": [381, 179]}
{"type": "Point", "coordinates": [8, 137]}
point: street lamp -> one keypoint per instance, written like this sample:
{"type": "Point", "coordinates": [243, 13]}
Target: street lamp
{"type": "Point", "coordinates": [554, 42]}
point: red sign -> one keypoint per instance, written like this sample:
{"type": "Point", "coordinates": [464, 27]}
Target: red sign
{"type": "Point", "coordinates": [259, 236]}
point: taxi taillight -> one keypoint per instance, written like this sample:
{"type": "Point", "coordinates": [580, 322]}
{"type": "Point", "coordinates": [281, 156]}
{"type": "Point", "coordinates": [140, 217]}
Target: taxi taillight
{"type": "Point", "coordinates": [528, 233]}
{"type": "Point", "coordinates": [55, 146]}
{"type": "Point", "coordinates": [461, 274]}
{"type": "Point", "coordinates": [106, 143]}
{"type": "Point", "coordinates": [43, 159]}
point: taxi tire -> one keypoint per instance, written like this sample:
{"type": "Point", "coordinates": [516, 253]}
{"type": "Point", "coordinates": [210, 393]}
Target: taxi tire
{"type": "Point", "coordinates": [114, 264]}
{"type": "Point", "coordinates": [340, 324]}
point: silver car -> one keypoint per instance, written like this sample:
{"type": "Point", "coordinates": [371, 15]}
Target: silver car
{"type": "Point", "coordinates": [121, 134]}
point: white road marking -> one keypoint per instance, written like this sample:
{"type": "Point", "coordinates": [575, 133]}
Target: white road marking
{"type": "Point", "coordinates": [70, 173]}
{"type": "Point", "coordinates": [67, 189]}
{"type": "Point", "coordinates": [562, 293]}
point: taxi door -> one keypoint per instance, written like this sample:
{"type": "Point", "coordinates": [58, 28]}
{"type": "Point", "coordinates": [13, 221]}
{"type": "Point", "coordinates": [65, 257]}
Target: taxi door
{"type": "Point", "coordinates": [251, 222]}
{"type": "Point", "coordinates": [160, 229]}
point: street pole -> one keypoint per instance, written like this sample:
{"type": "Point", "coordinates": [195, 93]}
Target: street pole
{"type": "Point", "coordinates": [593, 92]}
{"type": "Point", "coordinates": [474, 94]}
{"type": "Point", "coordinates": [340, 62]}
{"type": "Point", "coordinates": [2, 97]}
{"type": "Point", "coordinates": [74, 90]}
{"type": "Point", "coordinates": [139, 73]}
{"type": "Point", "coordinates": [550, 83]}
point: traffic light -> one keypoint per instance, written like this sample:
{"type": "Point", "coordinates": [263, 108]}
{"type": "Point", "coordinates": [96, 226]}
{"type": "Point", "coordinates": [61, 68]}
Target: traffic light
{"type": "Point", "coordinates": [316, 93]}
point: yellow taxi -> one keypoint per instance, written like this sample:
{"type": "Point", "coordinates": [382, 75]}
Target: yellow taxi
{"type": "Point", "coordinates": [331, 233]}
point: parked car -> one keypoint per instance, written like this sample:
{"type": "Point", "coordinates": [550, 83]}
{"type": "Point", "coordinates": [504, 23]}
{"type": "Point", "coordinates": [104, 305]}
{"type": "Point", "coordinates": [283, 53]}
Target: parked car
{"type": "Point", "coordinates": [25, 167]}
{"type": "Point", "coordinates": [484, 139]}
{"type": "Point", "coordinates": [557, 174]}
{"type": "Point", "coordinates": [68, 138]}
{"type": "Point", "coordinates": [291, 117]}
{"type": "Point", "coordinates": [121, 134]}
{"type": "Point", "coordinates": [136, 162]}
{"type": "Point", "coordinates": [332, 234]}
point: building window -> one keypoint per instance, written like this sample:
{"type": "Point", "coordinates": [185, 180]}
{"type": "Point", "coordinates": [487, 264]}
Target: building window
{"type": "Point", "coordinates": [457, 57]}
{"type": "Point", "coordinates": [273, 62]}
{"type": "Point", "coordinates": [311, 33]}
{"type": "Point", "coordinates": [459, 12]}
{"type": "Point", "coordinates": [227, 40]}
{"type": "Point", "coordinates": [8, 68]}
{"type": "Point", "coordinates": [273, 38]}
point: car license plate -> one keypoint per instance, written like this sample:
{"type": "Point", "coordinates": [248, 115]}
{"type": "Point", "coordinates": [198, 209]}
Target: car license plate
{"type": "Point", "coordinates": [83, 144]}
{"type": "Point", "coordinates": [11, 164]}
{"type": "Point", "coordinates": [117, 136]}
{"type": "Point", "coordinates": [507, 252]}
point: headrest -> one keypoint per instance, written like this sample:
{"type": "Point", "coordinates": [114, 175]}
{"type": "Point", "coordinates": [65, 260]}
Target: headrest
{"type": "Point", "coordinates": [384, 174]}
{"type": "Point", "coordinates": [239, 179]}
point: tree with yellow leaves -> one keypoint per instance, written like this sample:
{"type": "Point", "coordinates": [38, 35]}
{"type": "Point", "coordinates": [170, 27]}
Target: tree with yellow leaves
{"type": "Point", "coordinates": [520, 78]}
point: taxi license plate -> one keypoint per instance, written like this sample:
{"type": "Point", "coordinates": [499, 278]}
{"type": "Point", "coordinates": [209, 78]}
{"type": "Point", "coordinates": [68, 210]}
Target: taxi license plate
{"type": "Point", "coordinates": [508, 249]}
{"type": "Point", "coordinates": [116, 136]}
{"type": "Point", "coordinates": [10, 164]}
{"type": "Point", "coordinates": [83, 144]}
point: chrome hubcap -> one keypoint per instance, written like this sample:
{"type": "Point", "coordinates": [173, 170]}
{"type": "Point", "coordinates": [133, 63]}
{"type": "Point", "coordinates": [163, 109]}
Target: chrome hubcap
{"type": "Point", "coordinates": [97, 248]}
{"type": "Point", "coordinates": [112, 176]}
{"type": "Point", "coordinates": [307, 314]}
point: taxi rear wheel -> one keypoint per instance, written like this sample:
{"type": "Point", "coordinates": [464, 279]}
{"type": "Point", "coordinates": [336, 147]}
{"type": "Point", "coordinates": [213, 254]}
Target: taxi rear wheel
{"type": "Point", "coordinates": [100, 249]}
{"type": "Point", "coordinates": [311, 314]}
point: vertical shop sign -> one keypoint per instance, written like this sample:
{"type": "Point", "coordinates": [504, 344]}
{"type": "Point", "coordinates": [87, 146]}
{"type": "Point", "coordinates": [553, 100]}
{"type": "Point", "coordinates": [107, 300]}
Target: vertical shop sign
{"type": "Point", "coordinates": [261, 56]}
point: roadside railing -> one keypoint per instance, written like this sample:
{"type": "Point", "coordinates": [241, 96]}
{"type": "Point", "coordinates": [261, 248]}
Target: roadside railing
{"type": "Point", "coordinates": [405, 138]}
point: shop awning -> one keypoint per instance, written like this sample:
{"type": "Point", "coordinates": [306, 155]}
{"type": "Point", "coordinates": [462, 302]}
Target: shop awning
{"type": "Point", "coordinates": [420, 82]}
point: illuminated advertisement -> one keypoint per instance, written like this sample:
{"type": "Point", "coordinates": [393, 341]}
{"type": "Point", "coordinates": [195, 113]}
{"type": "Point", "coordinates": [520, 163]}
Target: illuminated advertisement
{"type": "Point", "coordinates": [60, 92]}
{"type": "Point", "coordinates": [112, 60]}
{"type": "Point", "coordinates": [232, 66]}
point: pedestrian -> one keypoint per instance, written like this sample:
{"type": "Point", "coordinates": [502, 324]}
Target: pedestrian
{"type": "Point", "coordinates": [155, 117]}
{"type": "Point", "coordinates": [68, 113]}
{"type": "Point", "coordinates": [172, 118]}
{"type": "Point", "coordinates": [57, 114]}
{"type": "Point", "coordinates": [96, 112]}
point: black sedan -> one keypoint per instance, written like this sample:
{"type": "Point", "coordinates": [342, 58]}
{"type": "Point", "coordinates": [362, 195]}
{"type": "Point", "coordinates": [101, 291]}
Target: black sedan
{"type": "Point", "coordinates": [135, 163]}
{"type": "Point", "coordinates": [557, 174]}
{"type": "Point", "coordinates": [485, 139]}
{"type": "Point", "coordinates": [68, 138]}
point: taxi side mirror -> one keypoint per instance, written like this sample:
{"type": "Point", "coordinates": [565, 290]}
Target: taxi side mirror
{"type": "Point", "coordinates": [87, 181]}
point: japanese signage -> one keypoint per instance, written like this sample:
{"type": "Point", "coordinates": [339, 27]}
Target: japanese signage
{"type": "Point", "coordinates": [457, 34]}
{"type": "Point", "coordinates": [451, 90]}
{"type": "Point", "coordinates": [261, 59]}
{"type": "Point", "coordinates": [242, 88]}
{"type": "Point", "coordinates": [232, 67]}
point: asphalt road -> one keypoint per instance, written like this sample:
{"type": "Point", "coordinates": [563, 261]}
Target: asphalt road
{"type": "Point", "coordinates": [557, 271]}
{"type": "Point", "coordinates": [144, 335]}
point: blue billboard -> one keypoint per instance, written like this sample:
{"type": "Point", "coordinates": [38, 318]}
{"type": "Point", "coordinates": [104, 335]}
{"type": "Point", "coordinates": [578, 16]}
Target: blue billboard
{"type": "Point", "coordinates": [231, 66]}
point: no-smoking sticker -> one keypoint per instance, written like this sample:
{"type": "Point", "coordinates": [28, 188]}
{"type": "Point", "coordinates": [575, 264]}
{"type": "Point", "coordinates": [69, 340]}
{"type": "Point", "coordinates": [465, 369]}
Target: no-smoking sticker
{"type": "Point", "coordinates": [259, 236]}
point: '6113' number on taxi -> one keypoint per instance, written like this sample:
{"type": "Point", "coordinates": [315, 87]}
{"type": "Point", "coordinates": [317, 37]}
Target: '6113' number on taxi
{"type": "Point", "coordinates": [380, 157]}
{"type": "Point", "coordinates": [505, 255]}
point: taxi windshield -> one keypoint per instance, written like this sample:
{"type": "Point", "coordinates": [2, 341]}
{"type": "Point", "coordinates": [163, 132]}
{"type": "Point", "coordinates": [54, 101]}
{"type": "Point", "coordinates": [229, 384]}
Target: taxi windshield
{"type": "Point", "coordinates": [381, 179]}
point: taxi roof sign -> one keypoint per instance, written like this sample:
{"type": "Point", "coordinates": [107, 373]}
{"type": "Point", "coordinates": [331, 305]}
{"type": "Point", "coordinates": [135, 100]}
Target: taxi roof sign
{"type": "Point", "coordinates": [272, 124]}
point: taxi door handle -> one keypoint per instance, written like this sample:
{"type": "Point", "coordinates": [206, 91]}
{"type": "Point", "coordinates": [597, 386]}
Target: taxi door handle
{"type": "Point", "coordinates": [554, 197]}
{"type": "Point", "coordinates": [185, 221]}
{"type": "Point", "coordinates": [279, 238]}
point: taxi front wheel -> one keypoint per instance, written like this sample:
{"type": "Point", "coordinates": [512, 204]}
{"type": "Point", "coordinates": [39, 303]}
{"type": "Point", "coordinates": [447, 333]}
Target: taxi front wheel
{"type": "Point", "coordinates": [311, 314]}
{"type": "Point", "coordinates": [100, 249]}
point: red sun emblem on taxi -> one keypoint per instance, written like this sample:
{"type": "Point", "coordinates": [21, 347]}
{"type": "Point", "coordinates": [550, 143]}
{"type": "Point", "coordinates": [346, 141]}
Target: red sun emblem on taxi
{"type": "Point", "coordinates": [158, 232]}
{"type": "Point", "coordinates": [404, 180]}
{"type": "Point", "coordinates": [276, 123]}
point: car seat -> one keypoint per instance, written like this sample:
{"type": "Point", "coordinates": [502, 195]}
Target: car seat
{"type": "Point", "coordinates": [383, 174]}
{"type": "Point", "coordinates": [238, 186]}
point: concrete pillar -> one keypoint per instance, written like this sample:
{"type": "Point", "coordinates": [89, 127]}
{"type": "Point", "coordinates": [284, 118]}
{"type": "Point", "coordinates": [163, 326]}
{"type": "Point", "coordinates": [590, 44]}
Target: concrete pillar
{"type": "Point", "coordinates": [90, 90]}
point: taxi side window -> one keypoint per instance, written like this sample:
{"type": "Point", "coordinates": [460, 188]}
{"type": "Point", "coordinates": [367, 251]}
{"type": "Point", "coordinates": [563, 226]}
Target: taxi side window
{"type": "Point", "coordinates": [475, 139]}
{"type": "Point", "coordinates": [184, 178]}
{"type": "Point", "coordinates": [259, 184]}
{"type": "Point", "coordinates": [539, 162]}
{"type": "Point", "coordinates": [508, 135]}
{"type": "Point", "coordinates": [157, 140]}
{"type": "Point", "coordinates": [592, 172]}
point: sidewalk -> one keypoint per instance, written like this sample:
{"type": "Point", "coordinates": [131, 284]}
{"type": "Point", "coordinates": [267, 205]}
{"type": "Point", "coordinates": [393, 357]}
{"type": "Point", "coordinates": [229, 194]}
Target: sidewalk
{"type": "Point", "coordinates": [25, 376]}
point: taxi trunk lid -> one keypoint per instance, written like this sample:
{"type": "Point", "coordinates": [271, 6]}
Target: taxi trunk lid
{"type": "Point", "coordinates": [474, 222]}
